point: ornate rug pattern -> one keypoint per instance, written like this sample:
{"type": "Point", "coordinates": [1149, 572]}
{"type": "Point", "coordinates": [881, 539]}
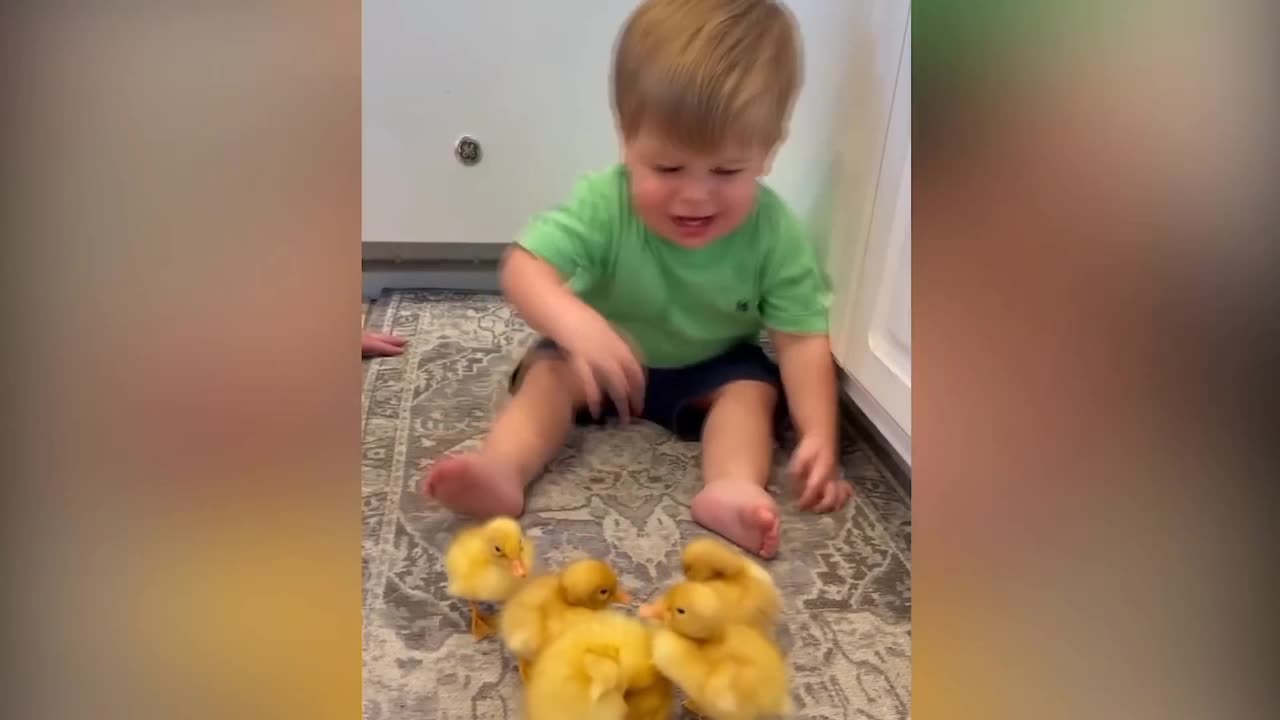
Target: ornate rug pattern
{"type": "Point", "coordinates": [621, 494]}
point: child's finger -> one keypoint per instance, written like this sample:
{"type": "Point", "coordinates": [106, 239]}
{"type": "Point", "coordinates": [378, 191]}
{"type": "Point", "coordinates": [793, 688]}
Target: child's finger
{"type": "Point", "coordinates": [370, 337]}
{"type": "Point", "coordinates": [616, 386]}
{"type": "Point", "coordinates": [820, 473]}
{"type": "Point", "coordinates": [372, 347]}
{"type": "Point", "coordinates": [846, 492]}
{"type": "Point", "coordinates": [831, 498]}
{"type": "Point", "coordinates": [796, 466]}
{"type": "Point", "coordinates": [812, 494]}
{"type": "Point", "coordinates": [635, 383]}
{"type": "Point", "coordinates": [813, 487]}
{"type": "Point", "coordinates": [391, 339]}
{"type": "Point", "coordinates": [590, 390]}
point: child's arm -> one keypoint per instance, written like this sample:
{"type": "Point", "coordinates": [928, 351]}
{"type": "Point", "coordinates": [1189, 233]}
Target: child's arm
{"type": "Point", "coordinates": [795, 302]}
{"type": "Point", "coordinates": [538, 293]}
{"type": "Point", "coordinates": [598, 355]}
{"type": "Point", "coordinates": [809, 380]}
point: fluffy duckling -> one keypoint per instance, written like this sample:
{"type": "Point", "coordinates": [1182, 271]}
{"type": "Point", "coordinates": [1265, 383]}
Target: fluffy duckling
{"type": "Point", "coordinates": [487, 564]}
{"type": "Point", "coordinates": [729, 670]}
{"type": "Point", "coordinates": [746, 590]}
{"type": "Point", "coordinates": [540, 610]}
{"type": "Point", "coordinates": [588, 671]}
{"type": "Point", "coordinates": [651, 702]}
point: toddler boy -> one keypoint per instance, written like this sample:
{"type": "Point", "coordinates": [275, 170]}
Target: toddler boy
{"type": "Point", "coordinates": [652, 284]}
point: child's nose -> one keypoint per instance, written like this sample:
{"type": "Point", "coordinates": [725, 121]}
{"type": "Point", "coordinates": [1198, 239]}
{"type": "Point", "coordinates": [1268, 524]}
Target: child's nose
{"type": "Point", "coordinates": [694, 192]}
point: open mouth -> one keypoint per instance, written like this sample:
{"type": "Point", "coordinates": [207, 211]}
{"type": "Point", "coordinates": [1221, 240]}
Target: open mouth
{"type": "Point", "coordinates": [693, 222]}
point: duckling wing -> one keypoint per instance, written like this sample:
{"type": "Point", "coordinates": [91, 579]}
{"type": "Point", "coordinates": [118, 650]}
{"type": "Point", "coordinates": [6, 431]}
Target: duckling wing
{"type": "Point", "coordinates": [523, 621]}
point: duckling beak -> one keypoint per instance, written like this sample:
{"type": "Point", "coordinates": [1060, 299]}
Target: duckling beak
{"type": "Point", "coordinates": [651, 611]}
{"type": "Point", "coordinates": [621, 596]}
{"type": "Point", "coordinates": [518, 569]}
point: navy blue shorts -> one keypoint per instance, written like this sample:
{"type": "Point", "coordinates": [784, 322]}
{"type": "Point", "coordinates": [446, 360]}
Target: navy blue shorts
{"type": "Point", "coordinates": [672, 395]}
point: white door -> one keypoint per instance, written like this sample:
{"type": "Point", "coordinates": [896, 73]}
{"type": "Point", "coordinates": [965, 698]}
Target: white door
{"type": "Point", "coordinates": [529, 80]}
{"type": "Point", "coordinates": [877, 353]}
{"type": "Point", "coordinates": [872, 313]}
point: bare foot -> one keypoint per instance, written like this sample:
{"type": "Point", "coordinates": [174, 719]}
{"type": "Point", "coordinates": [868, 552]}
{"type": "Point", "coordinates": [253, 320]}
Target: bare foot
{"type": "Point", "coordinates": [475, 485]}
{"type": "Point", "coordinates": [743, 513]}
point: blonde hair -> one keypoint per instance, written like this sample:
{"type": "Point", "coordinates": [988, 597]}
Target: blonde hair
{"type": "Point", "coordinates": [705, 72]}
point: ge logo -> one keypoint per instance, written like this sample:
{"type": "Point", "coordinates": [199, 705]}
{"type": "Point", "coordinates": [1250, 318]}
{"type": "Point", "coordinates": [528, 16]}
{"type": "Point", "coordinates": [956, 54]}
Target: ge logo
{"type": "Point", "coordinates": [467, 150]}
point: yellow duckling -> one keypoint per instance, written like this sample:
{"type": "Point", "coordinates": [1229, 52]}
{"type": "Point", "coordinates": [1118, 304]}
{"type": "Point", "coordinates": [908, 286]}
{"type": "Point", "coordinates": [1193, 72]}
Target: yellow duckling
{"type": "Point", "coordinates": [651, 702]}
{"type": "Point", "coordinates": [587, 672]}
{"type": "Point", "coordinates": [487, 564]}
{"type": "Point", "coordinates": [541, 609]}
{"type": "Point", "coordinates": [745, 588]}
{"type": "Point", "coordinates": [730, 671]}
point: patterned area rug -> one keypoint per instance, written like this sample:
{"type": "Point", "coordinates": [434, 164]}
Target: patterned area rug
{"type": "Point", "coordinates": [621, 494]}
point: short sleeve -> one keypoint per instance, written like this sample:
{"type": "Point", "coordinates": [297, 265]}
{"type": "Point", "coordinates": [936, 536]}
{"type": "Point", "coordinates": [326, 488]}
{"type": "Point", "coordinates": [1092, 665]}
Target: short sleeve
{"type": "Point", "coordinates": [574, 236]}
{"type": "Point", "coordinates": [795, 294]}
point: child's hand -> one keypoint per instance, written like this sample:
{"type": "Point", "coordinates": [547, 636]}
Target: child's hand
{"type": "Point", "coordinates": [380, 344]}
{"type": "Point", "coordinates": [602, 360]}
{"type": "Point", "coordinates": [816, 474]}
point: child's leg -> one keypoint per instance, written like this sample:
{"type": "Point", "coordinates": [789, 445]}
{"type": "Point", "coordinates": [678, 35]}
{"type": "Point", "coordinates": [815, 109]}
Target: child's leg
{"type": "Point", "coordinates": [737, 457]}
{"type": "Point", "coordinates": [526, 435]}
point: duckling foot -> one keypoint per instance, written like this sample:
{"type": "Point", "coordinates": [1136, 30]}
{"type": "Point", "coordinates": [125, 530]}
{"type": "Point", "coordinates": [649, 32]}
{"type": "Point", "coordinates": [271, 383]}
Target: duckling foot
{"type": "Point", "coordinates": [744, 513]}
{"type": "Point", "coordinates": [481, 624]}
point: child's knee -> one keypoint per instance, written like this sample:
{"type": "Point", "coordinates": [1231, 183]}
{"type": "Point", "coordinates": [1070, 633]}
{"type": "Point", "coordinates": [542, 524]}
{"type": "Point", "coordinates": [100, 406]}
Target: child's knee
{"type": "Point", "coordinates": [749, 395]}
{"type": "Point", "coordinates": [552, 372]}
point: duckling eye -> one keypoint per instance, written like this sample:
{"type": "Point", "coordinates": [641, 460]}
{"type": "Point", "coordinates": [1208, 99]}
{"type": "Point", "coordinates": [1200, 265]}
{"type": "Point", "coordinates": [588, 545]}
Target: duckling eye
{"type": "Point", "coordinates": [497, 549]}
{"type": "Point", "coordinates": [604, 591]}
{"type": "Point", "coordinates": [679, 611]}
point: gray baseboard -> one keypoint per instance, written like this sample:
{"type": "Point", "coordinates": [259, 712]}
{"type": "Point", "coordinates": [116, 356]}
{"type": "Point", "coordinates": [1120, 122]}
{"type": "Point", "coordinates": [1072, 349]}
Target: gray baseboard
{"type": "Point", "coordinates": [431, 252]}
{"type": "Point", "coordinates": [429, 266]}
{"type": "Point", "coordinates": [471, 279]}
{"type": "Point", "coordinates": [854, 419]}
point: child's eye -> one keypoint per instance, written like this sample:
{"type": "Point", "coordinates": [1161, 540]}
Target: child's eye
{"type": "Point", "coordinates": [727, 171]}
{"type": "Point", "coordinates": [668, 169]}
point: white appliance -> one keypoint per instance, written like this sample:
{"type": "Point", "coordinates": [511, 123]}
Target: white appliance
{"type": "Point", "coordinates": [869, 256]}
{"type": "Point", "coordinates": [530, 82]}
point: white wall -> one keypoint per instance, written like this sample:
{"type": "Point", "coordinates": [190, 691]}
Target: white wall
{"type": "Point", "coordinates": [432, 73]}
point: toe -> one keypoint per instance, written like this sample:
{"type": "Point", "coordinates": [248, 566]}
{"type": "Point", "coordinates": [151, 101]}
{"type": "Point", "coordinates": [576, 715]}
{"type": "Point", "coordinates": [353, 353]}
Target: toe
{"type": "Point", "coordinates": [768, 545]}
{"type": "Point", "coordinates": [765, 520]}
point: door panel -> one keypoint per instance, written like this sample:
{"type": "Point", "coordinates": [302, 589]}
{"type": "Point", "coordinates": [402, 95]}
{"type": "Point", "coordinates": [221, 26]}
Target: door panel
{"type": "Point", "coordinates": [872, 306]}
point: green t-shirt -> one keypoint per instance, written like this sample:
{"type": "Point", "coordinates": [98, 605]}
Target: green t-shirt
{"type": "Point", "coordinates": [681, 306]}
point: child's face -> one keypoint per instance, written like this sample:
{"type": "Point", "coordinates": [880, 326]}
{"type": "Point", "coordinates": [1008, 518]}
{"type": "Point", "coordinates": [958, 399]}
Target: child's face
{"type": "Point", "coordinates": [691, 199]}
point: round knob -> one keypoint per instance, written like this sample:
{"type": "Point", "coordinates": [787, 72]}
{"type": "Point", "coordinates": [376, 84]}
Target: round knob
{"type": "Point", "coordinates": [467, 150]}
